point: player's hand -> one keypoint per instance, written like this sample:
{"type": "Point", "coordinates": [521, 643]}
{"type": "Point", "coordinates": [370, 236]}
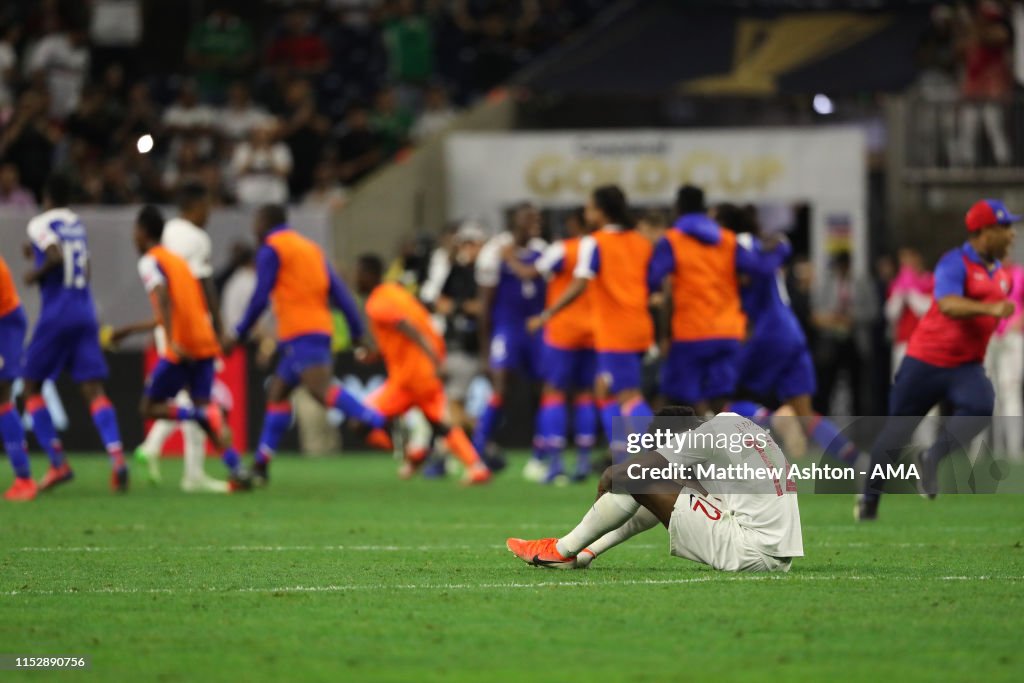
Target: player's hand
{"type": "Point", "coordinates": [508, 252]}
{"type": "Point", "coordinates": [1003, 309]}
{"type": "Point", "coordinates": [537, 322]}
{"type": "Point", "coordinates": [366, 355]}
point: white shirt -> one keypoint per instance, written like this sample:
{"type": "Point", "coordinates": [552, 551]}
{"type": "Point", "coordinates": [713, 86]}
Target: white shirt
{"type": "Point", "coordinates": [65, 67]}
{"type": "Point", "coordinates": [488, 262]}
{"type": "Point", "coordinates": [767, 507]}
{"type": "Point", "coordinates": [149, 271]}
{"type": "Point", "coordinates": [236, 123]}
{"type": "Point", "coordinates": [191, 243]}
{"type": "Point", "coordinates": [262, 181]}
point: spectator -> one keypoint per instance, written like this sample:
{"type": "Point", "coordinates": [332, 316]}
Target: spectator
{"type": "Point", "coordinates": [327, 192]}
{"type": "Point", "coordinates": [219, 50]}
{"type": "Point", "coordinates": [12, 194]}
{"type": "Point", "coordinates": [240, 115]}
{"type": "Point", "coordinates": [987, 81]}
{"type": "Point", "coordinates": [261, 166]}
{"type": "Point", "coordinates": [358, 147]}
{"type": "Point", "coordinates": [358, 58]}
{"type": "Point", "coordinates": [935, 133]}
{"type": "Point", "coordinates": [390, 121]}
{"type": "Point", "coordinates": [211, 177]}
{"type": "Point", "coordinates": [437, 114]}
{"type": "Point", "coordinates": [61, 61]}
{"type": "Point", "coordinates": [140, 117]}
{"type": "Point", "coordinates": [188, 117]}
{"type": "Point", "coordinates": [30, 139]}
{"type": "Point", "coordinates": [8, 67]}
{"type": "Point", "coordinates": [299, 50]}
{"type": "Point", "coordinates": [410, 44]}
{"type": "Point", "coordinates": [119, 186]}
{"type": "Point", "coordinates": [184, 168]}
{"type": "Point", "coordinates": [305, 131]}
{"type": "Point", "coordinates": [90, 122]}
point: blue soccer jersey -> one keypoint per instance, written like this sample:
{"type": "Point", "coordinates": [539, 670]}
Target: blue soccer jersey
{"type": "Point", "coordinates": [66, 336]}
{"type": "Point", "coordinates": [515, 300]}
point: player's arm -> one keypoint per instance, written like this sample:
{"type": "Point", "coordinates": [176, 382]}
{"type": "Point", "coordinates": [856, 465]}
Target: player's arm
{"type": "Point", "coordinates": [45, 240]}
{"type": "Point", "coordinates": [587, 267]}
{"type": "Point", "coordinates": [212, 304]}
{"type": "Point", "coordinates": [406, 328]}
{"type": "Point", "coordinates": [161, 300]}
{"type": "Point", "coordinates": [485, 296]}
{"type": "Point", "coordinates": [661, 265]}
{"type": "Point", "coordinates": [523, 271]}
{"type": "Point", "coordinates": [267, 265]}
{"type": "Point", "coordinates": [125, 331]}
{"type": "Point", "coordinates": [950, 276]}
{"type": "Point", "coordinates": [342, 300]}
{"type": "Point", "coordinates": [756, 258]}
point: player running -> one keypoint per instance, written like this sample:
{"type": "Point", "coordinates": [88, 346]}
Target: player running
{"type": "Point", "coordinates": [707, 319]}
{"type": "Point", "coordinates": [12, 337]}
{"type": "Point", "coordinates": [612, 264]}
{"type": "Point", "coordinates": [945, 355]}
{"type": "Point", "coordinates": [506, 302]}
{"type": "Point", "coordinates": [294, 277]}
{"type": "Point", "coordinates": [190, 347]}
{"type": "Point", "coordinates": [186, 237]}
{"type": "Point", "coordinates": [568, 353]}
{"type": "Point", "coordinates": [743, 524]}
{"type": "Point", "coordinates": [66, 336]}
{"type": "Point", "coordinates": [412, 351]}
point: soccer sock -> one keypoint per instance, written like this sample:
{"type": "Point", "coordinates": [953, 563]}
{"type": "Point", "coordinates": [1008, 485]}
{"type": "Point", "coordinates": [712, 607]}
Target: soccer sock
{"type": "Point", "coordinates": [643, 520]}
{"type": "Point", "coordinates": [609, 411]}
{"type": "Point", "coordinates": [14, 440]}
{"type": "Point", "coordinates": [105, 419]}
{"type": "Point", "coordinates": [608, 513]}
{"type": "Point", "coordinates": [486, 424]}
{"type": "Point", "coordinates": [636, 416]}
{"type": "Point", "coordinates": [826, 434]}
{"type": "Point", "coordinates": [194, 446]}
{"type": "Point", "coordinates": [42, 427]}
{"type": "Point", "coordinates": [462, 448]}
{"type": "Point", "coordinates": [183, 413]}
{"type": "Point", "coordinates": [551, 420]}
{"type": "Point", "coordinates": [540, 450]}
{"type": "Point", "coordinates": [157, 436]}
{"type": "Point", "coordinates": [276, 422]}
{"type": "Point", "coordinates": [755, 412]}
{"type": "Point", "coordinates": [342, 399]}
{"type": "Point", "coordinates": [585, 429]}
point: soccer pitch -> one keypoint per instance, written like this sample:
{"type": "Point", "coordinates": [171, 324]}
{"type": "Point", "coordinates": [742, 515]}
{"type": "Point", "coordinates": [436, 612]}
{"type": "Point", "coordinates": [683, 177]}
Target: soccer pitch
{"type": "Point", "coordinates": [340, 572]}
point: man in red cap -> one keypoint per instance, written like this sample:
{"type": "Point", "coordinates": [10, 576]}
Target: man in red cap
{"type": "Point", "coordinates": [945, 356]}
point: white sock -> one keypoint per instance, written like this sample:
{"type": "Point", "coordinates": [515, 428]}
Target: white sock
{"type": "Point", "coordinates": [158, 435]}
{"type": "Point", "coordinates": [609, 512]}
{"type": "Point", "coordinates": [643, 520]}
{"type": "Point", "coordinates": [195, 450]}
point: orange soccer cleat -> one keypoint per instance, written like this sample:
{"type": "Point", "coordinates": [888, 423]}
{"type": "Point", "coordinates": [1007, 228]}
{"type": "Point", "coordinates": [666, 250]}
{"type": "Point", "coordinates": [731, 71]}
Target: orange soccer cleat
{"type": "Point", "coordinates": [379, 439]}
{"type": "Point", "coordinates": [22, 490]}
{"type": "Point", "coordinates": [540, 553]}
{"type": "Point", "coordinates": [56, 476]}
{"type": "Point", "coordinates": [476, 475]}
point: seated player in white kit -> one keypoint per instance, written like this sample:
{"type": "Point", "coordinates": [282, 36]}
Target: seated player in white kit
{"type": "Point", "coordinates": [749, 523]}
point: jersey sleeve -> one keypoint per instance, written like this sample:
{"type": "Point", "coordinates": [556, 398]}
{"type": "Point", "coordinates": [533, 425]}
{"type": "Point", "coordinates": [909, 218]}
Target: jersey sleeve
{"type": "Point", "coordinates": [267, 265]}
{"type": "Point", "coordinates": [552, 259]}
{"type": "Point", "coordinates": [950, 275]}
{"type": "Point", "coordinates": [384, 308]}
{"type": "Point", "coordinates": [149, 271]}
{"type": "Point", "coordinates": [588, 264]}
{"type": "Point", "coordinates": [752, 258]}
{"type": "Point", "coordinates": [661, 265]}
{"type": "Point", "coordinates": [201, 262]}
{"type": "Point", "coordinates": [488, 264]}
{"type": "Point", "coordinates": [342, 300]}
{"type": "Point", "coordinates": [41, 234]}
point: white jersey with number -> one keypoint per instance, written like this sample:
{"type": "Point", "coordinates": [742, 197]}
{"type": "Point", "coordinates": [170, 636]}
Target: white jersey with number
{"type": "Point", "coordinates": [743, 523]}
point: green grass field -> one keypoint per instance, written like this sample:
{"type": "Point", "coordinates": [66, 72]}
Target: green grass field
{"type": "Point", "coordinates": [340, 572]}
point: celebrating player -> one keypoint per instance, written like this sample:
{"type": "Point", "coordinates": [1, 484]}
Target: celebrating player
{"type": "Point", "coordinates": [506, 303]}
{"type": "Point", "coordinates": [612, 263]}
{"type": "Point", "coordinates": [413, 352]}
{"type": "Point", "coordinates": [945, 355]}
{"type": "Point", "coordinates": [12, 336]}
{"type": "Point", "coordinates": [66, 336]}
{"type": "Point", "coordinates": [186, 237]}
{"type": "Point", "coordinates": [707, 319]}
{"type": "Point", "coordinates": [293, 275]}
{"type": "Point", "coordinates": [190, 347]}
{"type": "Point", "coordinates": [750, 524]}
{"type": "Point", "coordinates": [568, 353]}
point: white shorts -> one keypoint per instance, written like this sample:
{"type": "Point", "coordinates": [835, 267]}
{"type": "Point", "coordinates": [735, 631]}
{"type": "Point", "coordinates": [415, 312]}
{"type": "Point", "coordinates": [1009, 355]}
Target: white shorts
{"type": "Point", "coordinates": [700, 530]}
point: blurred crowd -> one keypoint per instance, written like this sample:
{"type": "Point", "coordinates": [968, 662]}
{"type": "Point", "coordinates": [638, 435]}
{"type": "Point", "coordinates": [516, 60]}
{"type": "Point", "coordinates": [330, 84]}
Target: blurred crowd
{"type": "Point", "coordinates": [970, 68]}
{"type": "Point", "coordinates": [295, 105]}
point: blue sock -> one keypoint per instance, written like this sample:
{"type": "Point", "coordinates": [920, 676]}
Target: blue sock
{"type": "Point", "coordinates": [42, 427]}
{"type": "Point", "coordinates": [827, 436]}
{"type": "Point", "coordinates": [340, 397]}
{"type": "Point", "coordinates": [183, 413]}
{"type": "Point", "coordinates": [756, 412]}
{"type": "Point", "coordinates": [275, 423]}
{"type": "Point", "coordinates": [610, 412]}
{"type": "Point", "coordinates": [231, 459]}
{"type": "Point", "coordinates": [487, 423]}
{"type": "Point", "coordinates": [551, 420]}
{"type": "Point", "coordinates": [638, 415]}
{"type": "Point", "coordinates": [585, 429]}
{"type": "Point", "coordinates": [105, 419]}
{"type": "Point", "coordinates": [14, 440]}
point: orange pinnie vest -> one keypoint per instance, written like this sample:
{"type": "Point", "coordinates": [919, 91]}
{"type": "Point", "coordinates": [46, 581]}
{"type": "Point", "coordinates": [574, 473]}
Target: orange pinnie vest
{"type": "Point", "coordinates": [300, 297]}
{"type": "Point", "coordinates": [8, 294]}
{"type": "Point", "coordinates": [622, 321]}
{"type": "Point", "coordinates": [191, 326]}
{"type": "Point", "coordinates": [705, 290]}
{"type": "Point", "coordinates": [572, 327]}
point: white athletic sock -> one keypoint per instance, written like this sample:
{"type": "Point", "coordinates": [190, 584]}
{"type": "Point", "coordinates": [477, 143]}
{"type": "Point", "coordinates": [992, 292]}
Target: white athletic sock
{"type": "Point", "coordinates": [195, 450]}
{"type": "Point", "coordinates": [158, 435]}
{"type": "Point", "coordinates": [643, 520]}
{"type": "Point", "coordinates": [609, 512]}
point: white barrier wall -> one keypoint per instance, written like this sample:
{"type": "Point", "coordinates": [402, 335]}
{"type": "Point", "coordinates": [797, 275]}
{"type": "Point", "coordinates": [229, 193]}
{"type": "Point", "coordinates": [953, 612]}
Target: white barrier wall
{"type": "Point", "coordinates": [823, 166]}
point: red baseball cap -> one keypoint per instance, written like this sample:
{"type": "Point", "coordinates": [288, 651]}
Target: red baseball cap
{"type": "Point", "coordinates": [988, 212]}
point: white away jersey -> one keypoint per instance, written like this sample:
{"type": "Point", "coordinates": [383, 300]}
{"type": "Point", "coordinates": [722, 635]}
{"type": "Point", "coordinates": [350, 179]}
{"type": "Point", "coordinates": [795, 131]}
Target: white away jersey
{"type": "Point", "coordinates": [191, 243]}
